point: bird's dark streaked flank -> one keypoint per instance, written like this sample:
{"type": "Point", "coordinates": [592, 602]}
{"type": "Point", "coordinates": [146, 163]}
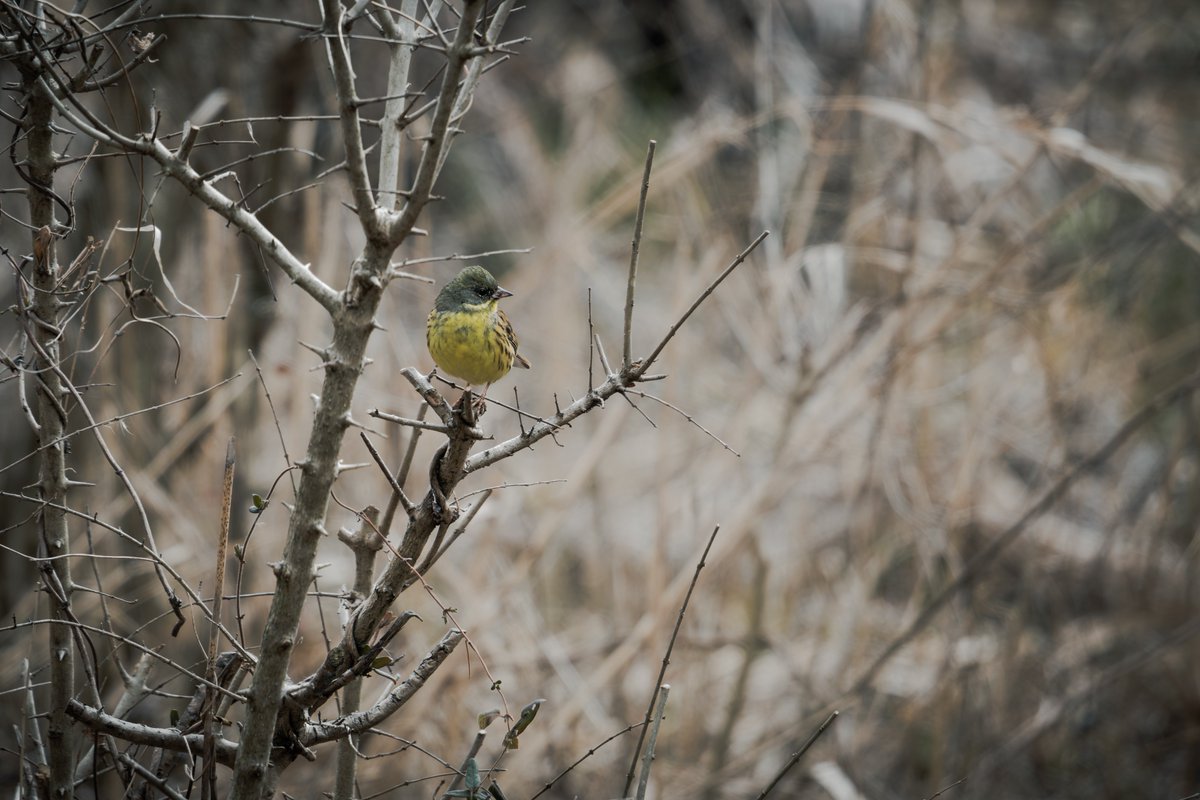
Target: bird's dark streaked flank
{"type": "Point", "coordinates": [468, 335]}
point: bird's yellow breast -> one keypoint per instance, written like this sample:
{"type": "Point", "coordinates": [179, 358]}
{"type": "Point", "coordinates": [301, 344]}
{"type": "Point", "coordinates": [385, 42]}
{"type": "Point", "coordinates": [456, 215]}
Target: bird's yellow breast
{"type": "Point", "coordinates": [467, 344]}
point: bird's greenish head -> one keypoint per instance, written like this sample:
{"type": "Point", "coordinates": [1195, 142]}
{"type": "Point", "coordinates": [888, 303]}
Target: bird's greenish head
{"type": "Point", "coordinates": [474, 287]}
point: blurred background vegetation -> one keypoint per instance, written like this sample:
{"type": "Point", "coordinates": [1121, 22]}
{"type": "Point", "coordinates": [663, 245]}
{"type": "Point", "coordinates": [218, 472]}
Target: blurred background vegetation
{"type": "Point", "coordinates": [984, 257]}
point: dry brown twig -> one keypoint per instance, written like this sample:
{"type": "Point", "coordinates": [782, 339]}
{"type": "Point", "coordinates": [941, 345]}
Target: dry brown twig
{"type": "Point", "coordinates": [799, 754]}
{"type": "Point", "coordinates": [659, 686]}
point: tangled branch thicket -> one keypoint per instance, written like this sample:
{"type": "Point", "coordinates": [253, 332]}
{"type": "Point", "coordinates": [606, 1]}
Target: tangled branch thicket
{"type": "Point", "coordinates": [945, 414]}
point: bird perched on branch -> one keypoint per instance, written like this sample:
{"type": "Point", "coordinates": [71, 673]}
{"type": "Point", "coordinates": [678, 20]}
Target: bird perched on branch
{"type": "Point", "coordinates": [468, 335]}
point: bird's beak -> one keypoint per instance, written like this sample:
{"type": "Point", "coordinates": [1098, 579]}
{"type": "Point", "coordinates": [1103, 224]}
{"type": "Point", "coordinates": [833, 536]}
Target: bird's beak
{"type": "Point", "coordinates": [501, 292]}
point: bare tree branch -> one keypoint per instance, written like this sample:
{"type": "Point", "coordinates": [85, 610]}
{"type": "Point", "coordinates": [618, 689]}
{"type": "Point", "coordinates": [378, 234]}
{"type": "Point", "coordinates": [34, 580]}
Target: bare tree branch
{"type": "Point", "coordinates": [615, 384]}
{"type": "Point", "coordinates": [356, 157]}
{"type": "Point", "coordinates": [403, 32]}
{"type": "Point", "coordinates": [360, 721]}
{"type": "Point", "coordinates": [457, 58]}
{"type": "Point", "coordinates": [228, 208]}
{"type": "Point", "coordinates": [136, 733]}
{"type": "Point", "coordinates": [634, 250]}
{"type": "Point", "coordinates": [353, 318]}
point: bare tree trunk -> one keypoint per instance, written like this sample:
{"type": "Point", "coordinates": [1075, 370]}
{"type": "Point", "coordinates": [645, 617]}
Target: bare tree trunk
{"type": "Point", "coordinates": [42, 326]}
{"type": "Point", "coordinates": [353, 314]}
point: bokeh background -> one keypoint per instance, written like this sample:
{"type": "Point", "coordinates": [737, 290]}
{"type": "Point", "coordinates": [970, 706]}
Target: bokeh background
{"type": "Point", "coordinates": [984, 258]}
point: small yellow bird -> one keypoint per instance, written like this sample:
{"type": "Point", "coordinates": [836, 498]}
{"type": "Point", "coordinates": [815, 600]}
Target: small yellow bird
{"type": "Point", "coordinates": [468, 335]}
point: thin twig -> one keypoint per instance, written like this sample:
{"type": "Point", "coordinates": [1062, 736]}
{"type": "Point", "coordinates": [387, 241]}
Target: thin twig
{"type": "Point", "coordinates": [125, 640]}
{"type": "Point", "coordinates": [666, 660]}
{"type": "Point", "coordinates": [437, 549]}
{"type": "Point", "coordinates": [591, 345]}
{"type": "Point", "coordinates": [795, 759]}
{"type": "Point", "coordinates": [634, 251]}
{"type": "Point", "coordinates": [148, 776]}
{"type": "Point", "coordinates": [522, 484]}
{"type": "Point", "coordinates": [402, 36]}
{"type": "Point", "coordinates": [591, 752]}
{"type": "Point", "coordinates": [686, 416]}
{"type": "Point", "coordinates": [455, 86]}
{"type": "Point", "coordinates": [636, 371]}
{"type": "Point", "coordinates": [408, 423]}
{"type": "Point", "coordinates": [116, 418]}
{"type": "Point", "coordinates": [402, 474]}
{"type": "Point", "coordinates": [396, 489]}
{"type": "Point", "coordinates": [233, 211]}
{"type": "Point", "coordinates": [945, 789]}
{"type": "Point", "coordinates": [337, 50]}
{"type": "Point", "coordinates": [123, 477]}
{"type": "Point", "coordinates": [154, 557]}
{"type": "Point", "coordinates": [287, 459]}
{"type": "Point", "coordinates": [408, 262]}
